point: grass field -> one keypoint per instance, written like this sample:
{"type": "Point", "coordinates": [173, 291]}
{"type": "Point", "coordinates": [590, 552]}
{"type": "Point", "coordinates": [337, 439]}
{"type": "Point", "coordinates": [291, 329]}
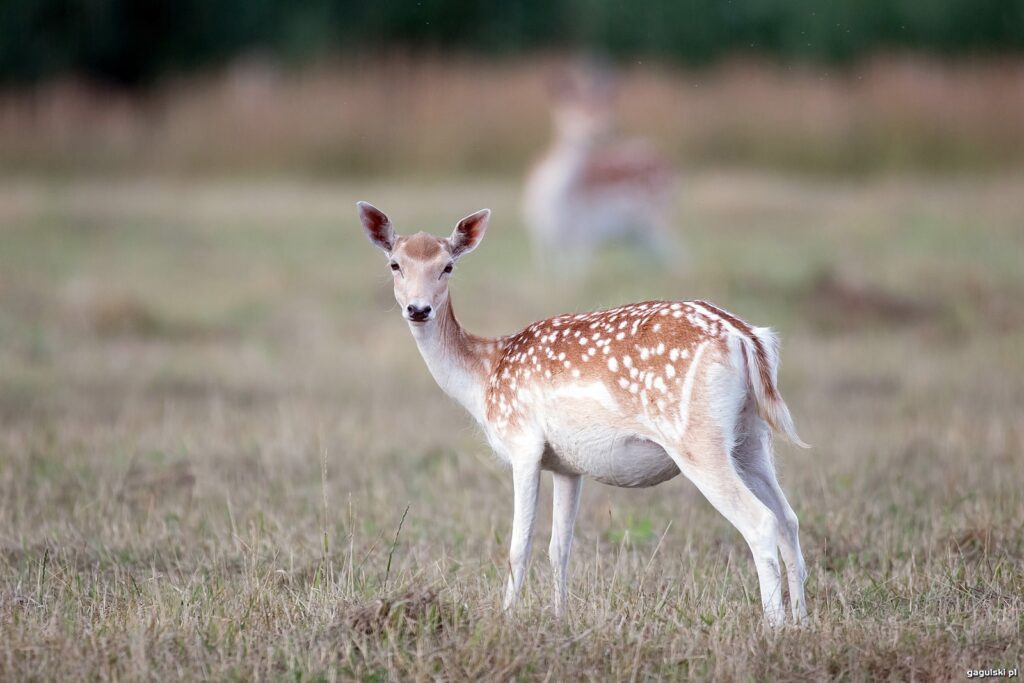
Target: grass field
{"type": "Point", "coordinates": [213, 422]}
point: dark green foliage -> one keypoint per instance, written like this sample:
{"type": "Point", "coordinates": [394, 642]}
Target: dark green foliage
{"type": "Point", "coordinates": [132, 42]}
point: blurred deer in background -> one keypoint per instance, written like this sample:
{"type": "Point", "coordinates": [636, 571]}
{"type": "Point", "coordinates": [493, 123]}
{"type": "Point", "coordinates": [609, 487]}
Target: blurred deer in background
{"type": "Point", "coordinates": [590, 189]}
{"type": "Point", "coordinates": [630, 396]}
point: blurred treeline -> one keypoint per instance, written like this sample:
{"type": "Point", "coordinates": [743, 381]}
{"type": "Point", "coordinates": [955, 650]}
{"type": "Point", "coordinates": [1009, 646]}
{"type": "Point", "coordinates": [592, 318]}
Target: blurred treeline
{"type": "Point", "coordinates": [135, 42]}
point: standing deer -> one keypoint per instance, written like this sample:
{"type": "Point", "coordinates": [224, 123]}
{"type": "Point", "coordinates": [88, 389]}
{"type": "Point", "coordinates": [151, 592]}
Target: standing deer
{"type": "Point", "coordinates": [630, 396]}
{"type": "Point", "coordinates": [588, 189]}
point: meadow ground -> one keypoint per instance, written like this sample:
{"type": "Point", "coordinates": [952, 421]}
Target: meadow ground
{"type": "Point", "coordinates": [213, 423]}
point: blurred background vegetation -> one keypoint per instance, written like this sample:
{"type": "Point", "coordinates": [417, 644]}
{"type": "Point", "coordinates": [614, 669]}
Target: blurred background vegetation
{"type": "Point", "coordinates": [449, 87]}
{"type": "Point", "coordinates": [132, 43]}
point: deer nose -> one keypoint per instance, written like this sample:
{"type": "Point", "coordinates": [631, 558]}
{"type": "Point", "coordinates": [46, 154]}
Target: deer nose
{"type": "Point", "coordinates": [418, 313]}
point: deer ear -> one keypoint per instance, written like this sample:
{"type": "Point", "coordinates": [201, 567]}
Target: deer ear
{"type": "Point", "coordinates": [469, 232]}
{"type": "Point", "coordinates": [377, 226]}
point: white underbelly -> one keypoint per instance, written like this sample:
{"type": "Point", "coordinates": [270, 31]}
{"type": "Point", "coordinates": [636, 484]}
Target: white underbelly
{"type": "Point", "coordinates": [610, 457]}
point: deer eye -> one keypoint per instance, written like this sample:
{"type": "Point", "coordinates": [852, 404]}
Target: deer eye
{"type": "Point", "coordinates": [448, 268]}
{"type": "Point", "coordinates": [394, 266]}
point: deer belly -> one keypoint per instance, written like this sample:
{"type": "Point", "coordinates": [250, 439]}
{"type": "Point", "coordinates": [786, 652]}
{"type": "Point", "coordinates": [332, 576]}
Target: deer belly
{"type": "Point", "coordinates": [616, 459]}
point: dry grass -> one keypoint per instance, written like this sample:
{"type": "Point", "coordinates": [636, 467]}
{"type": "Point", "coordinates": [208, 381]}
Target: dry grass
{"type": "Point", "coordinates": [212, 422]}
{"type": "Point", "coordinates": [422, 117]}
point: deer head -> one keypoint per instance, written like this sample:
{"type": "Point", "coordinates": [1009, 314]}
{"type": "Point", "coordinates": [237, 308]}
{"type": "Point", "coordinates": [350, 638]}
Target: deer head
{"type": "Point", "coordinates": [583, 100]}
{"type": "Point", "coordinates": [422, 263]}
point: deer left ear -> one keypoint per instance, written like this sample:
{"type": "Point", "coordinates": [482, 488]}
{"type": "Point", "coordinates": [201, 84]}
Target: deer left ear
{"type": "Point", "coordinates": [469, 232]}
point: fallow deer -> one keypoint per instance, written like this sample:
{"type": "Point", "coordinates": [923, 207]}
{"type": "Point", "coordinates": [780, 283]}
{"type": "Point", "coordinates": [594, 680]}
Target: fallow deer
{"type": "Point", "coordinates": [589, 189]}
{"type": "Point", "coordinates": [630, 396]}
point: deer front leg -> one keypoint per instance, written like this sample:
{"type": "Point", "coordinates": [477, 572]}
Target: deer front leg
{"type": "Point", "coordinates": [525, 481]}
{"type": "Point", "coordinates": [565, 504]}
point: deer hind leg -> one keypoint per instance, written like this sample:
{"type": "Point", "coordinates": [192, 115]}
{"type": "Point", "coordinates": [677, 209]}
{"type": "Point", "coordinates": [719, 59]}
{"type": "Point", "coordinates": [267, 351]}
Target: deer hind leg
{"type": "Point", "coordinates": [753, 459]}
{"type": "Point", "coordinates": [709, 468]}
{"type": "Point", "coordinates": [703, 455]}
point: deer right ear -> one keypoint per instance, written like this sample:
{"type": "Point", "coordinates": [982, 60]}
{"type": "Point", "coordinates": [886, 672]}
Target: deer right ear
{"type": "Point", "coordinates": [469, 232]}
{"type": "Point", "coordinates": [377, 226]}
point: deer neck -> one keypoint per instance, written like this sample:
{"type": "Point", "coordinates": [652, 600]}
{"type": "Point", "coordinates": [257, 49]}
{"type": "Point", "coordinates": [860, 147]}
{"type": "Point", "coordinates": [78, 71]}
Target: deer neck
{"type": "Point", "coordinates": [559, 170]}
{"type": "Point", "coordinates": [460, 362]}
